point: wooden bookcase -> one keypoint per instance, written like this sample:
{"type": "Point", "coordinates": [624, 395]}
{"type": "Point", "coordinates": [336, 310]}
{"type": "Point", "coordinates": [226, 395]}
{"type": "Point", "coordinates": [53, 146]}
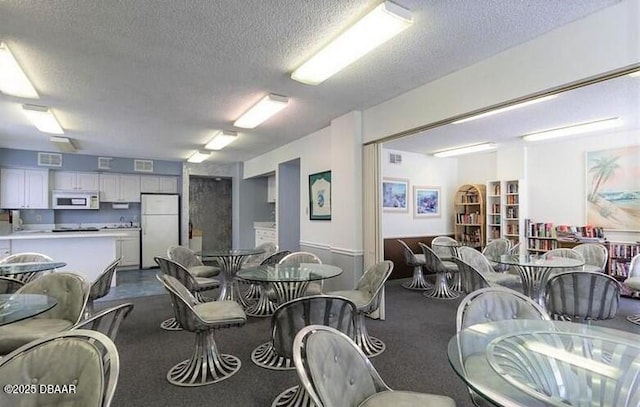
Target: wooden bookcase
{"type": "Point", "coordinates": [620, 255]}
{"type": "Point", "coordinates": [470, 215]}
{"type": "Point", "coordinates": [541, 237]}
{"type": "Point", "coordinates": [505, 210]}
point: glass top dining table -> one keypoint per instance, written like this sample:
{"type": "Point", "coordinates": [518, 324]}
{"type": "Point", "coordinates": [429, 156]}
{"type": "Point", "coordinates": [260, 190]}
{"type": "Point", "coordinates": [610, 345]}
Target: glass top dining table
{"type": "Point", "coordinates": [230, 261]}
{"type": "Point", "coordinates": [29, 267]}
{"type": "Point", "coordinates": [16, 307]}
{"type": "Point", "coordinates": [548, 363]}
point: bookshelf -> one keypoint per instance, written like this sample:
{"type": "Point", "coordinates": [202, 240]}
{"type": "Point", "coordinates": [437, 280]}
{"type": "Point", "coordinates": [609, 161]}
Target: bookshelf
{"type": "Point", "coordinates": [620, 255]}
{"type": "Point", "coordinates": [505, 210]}
{"type": "Point", "coordinates": [469, 227]}
{"type": "Point", "coordinates": [541, 237]}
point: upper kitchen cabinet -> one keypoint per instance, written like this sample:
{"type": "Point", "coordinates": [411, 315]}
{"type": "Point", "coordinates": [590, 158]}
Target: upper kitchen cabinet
{"type": "Point", "coordinates": [158, 184]}
{"type": "Point", "coordinates": [22, 188]}
{"type": "Point", "coordinates": [271, 188]}
{"type": "Point", "coordinates": [119, 188]}
{"type": "Point", "coordinates": [75, 181]}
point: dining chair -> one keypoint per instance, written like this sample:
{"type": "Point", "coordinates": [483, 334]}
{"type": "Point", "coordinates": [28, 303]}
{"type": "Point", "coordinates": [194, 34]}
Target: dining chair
{"type": "Point", "coordinates": [472, 279]}
{"type": "Point", "coordinates": [84, 362]}
{"type": "Point", "coordinates": [195, 285]}
{"type": "Point", "coordinates": [106, 321]}
{"type": "Point", "coordinates": [9, 285]}
{"type": "Point", "coordinates": [336, 373]}
{"type": "Point", "coordinates": [480, 262]}
{"type": "Point", "coordinates": [206, 365]}
{"type": "Point", "coordinates": [70, 290]}
{"type": "Point", "coordinates": [594, 254]}
{"type": "Point", "coordinates": [269, 248]}
{"type": "Point", "coordinates": [582, 296]}
{"type": "Point", "coordinates": [101, 286]}
{"type": "Point", "coordinates": [26, 257]}
{"type": "Point", "coordinates": [632, 282]}
{"type": "Point", "coordinates": [187, 258]}
{"type": "Point", "coordinates": [277, 354]}
{"type": "Point", "coordinates": [367, 296]}
{"type": "Point", "coordinates": [313, 288]}
{"type": "Point", "coordinates": [417, 263]}
{"type": "Point", "coordinates": [434, 264]}
{"type": "Point", "coordinates": [495, 249]}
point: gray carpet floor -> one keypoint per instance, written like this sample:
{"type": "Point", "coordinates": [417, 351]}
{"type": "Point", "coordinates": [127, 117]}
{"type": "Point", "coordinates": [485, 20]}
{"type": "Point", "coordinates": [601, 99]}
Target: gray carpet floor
{"type": "Point", "coordinates": [416, 332]}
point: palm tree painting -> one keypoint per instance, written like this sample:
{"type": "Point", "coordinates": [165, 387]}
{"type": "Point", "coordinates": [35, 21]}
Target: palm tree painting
{"type": "Point", "coordinates": [613, 188]}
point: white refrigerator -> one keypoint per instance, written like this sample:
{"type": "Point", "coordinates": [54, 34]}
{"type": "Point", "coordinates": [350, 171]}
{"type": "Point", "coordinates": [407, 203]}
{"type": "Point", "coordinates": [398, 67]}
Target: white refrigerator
{"type": "Point", "coordinates": [160, 223]}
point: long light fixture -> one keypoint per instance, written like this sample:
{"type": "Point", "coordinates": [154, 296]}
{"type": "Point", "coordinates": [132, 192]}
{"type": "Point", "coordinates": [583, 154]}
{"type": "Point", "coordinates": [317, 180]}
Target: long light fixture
{"type": "Point", "coordinates": [221, 139]}
{"type": "Point", "coordinates": [13, 80]}
{"type": "Point", "coordinates": [198, 156]}
{"type": "Point", "coordinates": [635, 74]}
{"type": "Point", "coordinates": [575, 129]}
{"type": "Point", "coordinates": [465, 150]}
{"type": "Point", "coordinates": [64, 144]}
{"type": "Point", "coordinates": [42, 118]}
{"type": "Point", "coordinates": [374, 29]}
{"type": "Point", "coordinates": [261, 111]}
{"type": "Point", "coordinates": [506, 109]}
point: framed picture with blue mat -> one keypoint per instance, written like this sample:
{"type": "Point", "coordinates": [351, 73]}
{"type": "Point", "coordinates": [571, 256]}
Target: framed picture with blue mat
{"type": "Point", "coordinates": [320, 196]}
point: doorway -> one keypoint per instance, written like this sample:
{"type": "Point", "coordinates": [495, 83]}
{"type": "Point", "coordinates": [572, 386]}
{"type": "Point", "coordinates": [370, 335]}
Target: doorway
{"type": "Point", "coordinates": [210, 210]}
{"type": "Point", "coordinates": [288, 202]}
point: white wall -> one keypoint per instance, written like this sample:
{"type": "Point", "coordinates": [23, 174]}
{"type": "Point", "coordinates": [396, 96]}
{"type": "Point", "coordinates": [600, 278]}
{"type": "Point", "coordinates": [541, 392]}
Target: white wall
{"type": "Point", "coordinates": [476, 168]}
{"type": "Point", "coordinates": [421, 170]}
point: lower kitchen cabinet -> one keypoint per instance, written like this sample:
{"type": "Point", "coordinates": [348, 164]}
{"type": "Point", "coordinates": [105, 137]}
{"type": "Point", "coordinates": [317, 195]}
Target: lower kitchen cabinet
{"type": "Point", "coordinates": [129, 249]}
{"type": "Point", "coordinates": [266, 236]}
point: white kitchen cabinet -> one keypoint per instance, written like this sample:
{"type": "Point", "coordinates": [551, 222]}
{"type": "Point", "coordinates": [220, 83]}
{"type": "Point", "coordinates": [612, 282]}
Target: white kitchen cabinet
{"type": "Point", "coordinates": [75, 181]}
{"type": "Point", "coordinates": [271, 188]}
{"type": "Point", "coordinates": [119, 188]}
{"type": "Point", "coordinates": [158, 184]}
{"type": "Point", "coordinates": [23, 188]}
{"type": "Point", "coordinates": [265, 235]}
{"type": "Point", "coordinates": [128, 247]}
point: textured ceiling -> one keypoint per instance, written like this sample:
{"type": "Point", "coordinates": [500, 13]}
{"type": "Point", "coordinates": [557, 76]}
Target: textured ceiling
{"type": "Point", "coordinates": [153, 79]}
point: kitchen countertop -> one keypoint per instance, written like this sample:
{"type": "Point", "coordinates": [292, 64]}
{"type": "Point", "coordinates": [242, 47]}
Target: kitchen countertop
{"type": "Point", "coordinates": [47, 234]}
{"type": "Point", "coordinates": [264, 225]}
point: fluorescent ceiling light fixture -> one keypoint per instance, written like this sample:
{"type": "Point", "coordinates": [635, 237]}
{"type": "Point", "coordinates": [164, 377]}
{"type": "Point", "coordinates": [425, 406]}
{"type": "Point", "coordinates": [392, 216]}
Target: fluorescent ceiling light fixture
{"type": "Point", "coordinates": [42, 118]}
{"type": "Point", "coordinates": [374, 29]}
{"type": "Point", "coordinates": [221, 140]}
{"type": "Point", "coordinates": [635, 74]}
{"type": "Point", "coordinates": [64, 144]}
{"type": "Point", "coordinates": [13, 80]}
{"type": "Point", "coordinates": [506, 109]}
{"type": "Point", "coordinates": [575, 129]}
{"type": "Point", "coordinates": [465, 150]}
{"type": "Point", "coordinates": [261, 111]}
{"type": "Point", "coordinates": [199, 156]}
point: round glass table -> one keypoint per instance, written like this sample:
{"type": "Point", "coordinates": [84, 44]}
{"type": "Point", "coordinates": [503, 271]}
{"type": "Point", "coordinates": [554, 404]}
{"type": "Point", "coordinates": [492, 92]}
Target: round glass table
{"type": "Point", "coordinates": [230, 261]}
{"type": "Point", "coordinates": [16, 307]}
{"type": "Point", "coordinates": [548, 363]}
{"type": "Point", "coordinates": [30, 267]}
{"type": "Point", "coordinates": [289, 281]}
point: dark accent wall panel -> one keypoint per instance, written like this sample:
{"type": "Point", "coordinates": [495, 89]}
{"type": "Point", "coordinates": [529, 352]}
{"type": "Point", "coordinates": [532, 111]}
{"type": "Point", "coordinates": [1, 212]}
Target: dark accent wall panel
{"type": "Point", "coordinates": [210, 210]}
{"type": "Point", "coordinates": [393, 252]}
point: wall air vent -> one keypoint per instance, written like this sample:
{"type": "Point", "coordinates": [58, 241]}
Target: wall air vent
{"type": "Point", "coordinates": [50, 159]}
{"type": "Point", "coordinates": [143, 165]}
{"type": "Point", "coordinates": [104, 163]}
{"type": "Point", "coordinates": [395, 158]}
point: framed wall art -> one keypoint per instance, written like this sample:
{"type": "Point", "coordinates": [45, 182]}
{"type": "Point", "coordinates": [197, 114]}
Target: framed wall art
{"type": "Point", "coordinates": [426, 202]}
{"type": "Point", "coordinates": [320, 196]}
{"type": "Point", "coordinates": [395, 195]}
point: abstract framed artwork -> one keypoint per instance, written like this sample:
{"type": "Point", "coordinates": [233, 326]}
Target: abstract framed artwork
{"type": "Point", "coordinates": [426, 202]}
{"type": "Point", "coordinates": [395, 195]}
{"type": "Point", "coordinates": [613, 188]}
{"type": "Point", "coordinates": [320, 196]}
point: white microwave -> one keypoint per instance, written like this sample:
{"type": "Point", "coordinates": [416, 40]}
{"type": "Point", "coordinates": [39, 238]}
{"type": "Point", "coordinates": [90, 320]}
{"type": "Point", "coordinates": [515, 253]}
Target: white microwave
{"type": "Point", "coordinates": [76, 200]}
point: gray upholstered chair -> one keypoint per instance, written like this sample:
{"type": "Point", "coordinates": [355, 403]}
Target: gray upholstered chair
{"type": "Point", "coordinates": [417, 262]}
{"type": "Point", "coordinates": [101, 286]}
{"type": "Point", "coordinates": [472, 279]}
{"type": "Point", "coordinates": [9, 285]}
{"type": "Point", "coordinates": [367, 296]}
{"type": "Point", "coordinates": [336, 373]}
{"type": "Point", "coordinates": [446, 247]}
{"type": "Point", "coordinates": [206, 365]}
{"type": "Point", "coordinates": [567, 253]}
{"type": "Point", "coordinates": [86, 360]}
{"type": "Point", "coordinates": [26, 257]}
{"type": "Point", "coordinates": [483, 266]}
{"type": "Point", "coordinates": [269, 248]}
{"type": "Point", "coordinates": [70, 291]}
{"type": "Point", "coordinates": [441, 287]}
{"type": "Point", "coordinates": [277, 354]}
{"type": "Point", "coordinates": [194, 284]}
{"type": "Point", "coordinates": [494, 304]}
{"type": "Point", "coordinates": [187, 258]}
{"type": "Point", "coordinates": [582, 296]}
{"type": "Point", "coordinates": [594, 254]}
{"type": "Point", "coordinates": [495, 249]}
{"type": "Point", "coordinates": [107, 320]}
{"type": "Point", "coordinates": [313, 288]}
{"type": "Point", "coordinates": [265, 305]}
{"type": "Point", "coordinates": [515, 249]}
{"type": "Point", "coordinates": [632, 282]}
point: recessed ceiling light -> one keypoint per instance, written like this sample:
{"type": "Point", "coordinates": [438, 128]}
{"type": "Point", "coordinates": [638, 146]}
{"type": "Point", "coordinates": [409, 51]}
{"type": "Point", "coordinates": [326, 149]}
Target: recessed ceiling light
{"type": "Point", "coordinates": [465, 150]}
{"type": "Point", "coordinates": [42, 118]}
{"type": "Point", "coordinates": [198, 156]}
{"type": "Point", "coordinates": [635, 74]}
{"type": "Point", "coordinates": [221, 139]}
{"type": "Point", "coordinates": [574, 129]}
{"type": "Point", "coordinates": [64, 144]}
{"type": "Point", "coordinates": [506, 109]}
{"type": "Point", "coordinates": [261, 111]}
{"type": "Point", "coordinates": [13, 80]}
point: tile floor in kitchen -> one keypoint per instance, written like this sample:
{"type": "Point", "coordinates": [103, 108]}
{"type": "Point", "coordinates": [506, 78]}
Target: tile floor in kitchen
{"type": "Point", "coordinates": [135, 283]}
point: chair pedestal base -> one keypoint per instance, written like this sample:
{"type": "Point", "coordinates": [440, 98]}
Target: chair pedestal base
{"type": "Point", "coordinates": [265, 356]}
{"type": "Point", "coordinates": [441, 289]}
{"type": "Point", "coordinates": [295, 396]}
{"type": "Point", "coordinates": [252, 293]}
{"type": "Point", "coordinates": [370, 346]}
{"type": "Point", "coordinates": [418, 281]}
{"type": "Point", "coordinates": [171, 324]}
{"type": "Point", "coordinates": [634, 319]}
{"type": "Point", "coordinates": [206, 366]}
